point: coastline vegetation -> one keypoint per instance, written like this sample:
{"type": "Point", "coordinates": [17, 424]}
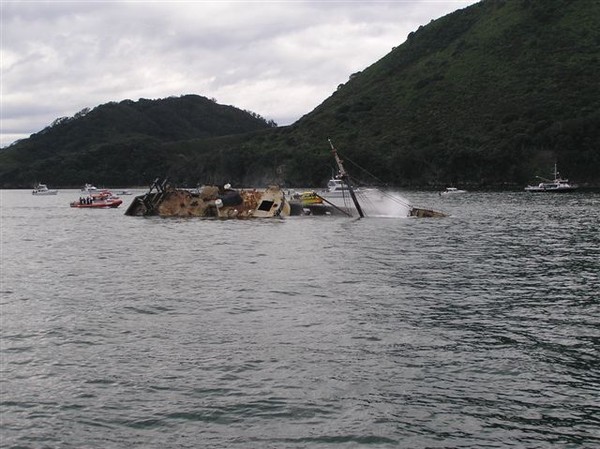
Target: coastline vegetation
{"type": "Point", "coordinates": [486, 97]}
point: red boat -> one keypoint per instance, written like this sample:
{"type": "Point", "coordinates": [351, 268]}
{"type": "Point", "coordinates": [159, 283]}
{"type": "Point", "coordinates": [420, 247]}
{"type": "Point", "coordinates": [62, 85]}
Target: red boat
{"type": "Point", "coordinates": [98, 200]}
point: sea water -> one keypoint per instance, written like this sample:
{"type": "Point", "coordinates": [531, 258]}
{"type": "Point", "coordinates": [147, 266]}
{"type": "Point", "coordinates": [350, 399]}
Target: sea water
{"type": "Point", "coordinates": [481, 329]}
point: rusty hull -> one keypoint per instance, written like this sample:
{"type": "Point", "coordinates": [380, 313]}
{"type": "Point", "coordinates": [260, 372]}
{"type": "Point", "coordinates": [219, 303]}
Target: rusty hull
{"type": "Point", "coordinates": [211, 202]}
{"type": "Point", "coordinates": [426, 213]}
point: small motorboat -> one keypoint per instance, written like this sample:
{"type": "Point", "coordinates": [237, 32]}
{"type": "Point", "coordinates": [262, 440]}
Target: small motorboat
{"type": "Point", "coordinates": [103, 199]}
{"type": "Point", "coordinates": [452, 191]}
{"type": "Point", "coordinates": [42, 189]}
{"type": "Point", "coordinates": [337, 189]}
{"type": "Point", "coordinates": [89, 188]}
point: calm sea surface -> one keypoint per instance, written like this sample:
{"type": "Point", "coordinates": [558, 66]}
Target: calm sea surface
{"type": "Point", "coordinates": [480, 330]}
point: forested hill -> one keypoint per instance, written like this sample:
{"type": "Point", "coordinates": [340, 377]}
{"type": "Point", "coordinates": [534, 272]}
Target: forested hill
{"type": "Point", "coordinates": [490, 95]}
{"type": "Point", "coordinates": [76, 148]}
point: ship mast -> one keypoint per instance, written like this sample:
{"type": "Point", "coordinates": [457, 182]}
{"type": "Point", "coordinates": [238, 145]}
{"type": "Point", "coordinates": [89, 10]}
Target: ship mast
{"type": "Point", "coordinates": [346, 179]}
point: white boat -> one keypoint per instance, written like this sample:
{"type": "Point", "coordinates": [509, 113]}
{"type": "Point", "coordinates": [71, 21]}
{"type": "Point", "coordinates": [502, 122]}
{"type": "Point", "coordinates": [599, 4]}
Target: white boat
{"type": "Point", "coordinates": [452, 191]}
{"type": "Point", "coordinates": [337, 189]}
{"type": "Point", "coordinates": [89, 188]}
{"type": "Point", "coordinates": [558, 184]}
{"type": "Point", "coordinates": [338, 195]}
{"type": "Point", "coordinates": [42, 189]}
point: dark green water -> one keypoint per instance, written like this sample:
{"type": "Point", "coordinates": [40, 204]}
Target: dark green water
{"type": "Point", "coordinates": [480, 330]}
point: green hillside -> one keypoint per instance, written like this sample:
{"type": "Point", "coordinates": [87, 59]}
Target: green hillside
{"type": "Point", "coordinates": [488, 96]}
{"type": "Point", "coordinates": [115, 143]}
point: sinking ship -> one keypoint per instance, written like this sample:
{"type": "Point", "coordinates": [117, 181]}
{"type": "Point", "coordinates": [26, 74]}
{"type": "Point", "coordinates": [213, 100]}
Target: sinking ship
{"type": "Point", "coordinates": [341, 197]}
{"type": "Point", "coordinates": [209, 201]}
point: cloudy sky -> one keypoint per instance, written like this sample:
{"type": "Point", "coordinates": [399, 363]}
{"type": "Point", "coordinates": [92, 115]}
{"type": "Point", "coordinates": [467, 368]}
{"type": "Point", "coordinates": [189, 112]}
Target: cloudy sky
{"type": "Point", "coordinates": [279, 59]}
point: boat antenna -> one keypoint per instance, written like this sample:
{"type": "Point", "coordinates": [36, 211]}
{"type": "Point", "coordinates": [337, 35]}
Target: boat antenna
{"type": "Point", "coordinates": [346, 179]}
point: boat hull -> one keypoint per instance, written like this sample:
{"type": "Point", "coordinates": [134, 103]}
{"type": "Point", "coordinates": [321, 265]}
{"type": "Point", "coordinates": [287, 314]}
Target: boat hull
{"type": "Point", "coordinates": [210, 202]}
{"type": "Point", "coordinates": [42, 189]}
{"type": "Point", "coordinates": [108, 204]}
{"type": "Point", "coordinates": [452, 191]}
{"type": "Point", "coordinates": [550, 189]}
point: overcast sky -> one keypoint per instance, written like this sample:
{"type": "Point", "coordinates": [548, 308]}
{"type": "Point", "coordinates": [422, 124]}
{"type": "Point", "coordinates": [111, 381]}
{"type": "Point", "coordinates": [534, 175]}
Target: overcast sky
{"type": "Point", "coordinates": [280, 59]}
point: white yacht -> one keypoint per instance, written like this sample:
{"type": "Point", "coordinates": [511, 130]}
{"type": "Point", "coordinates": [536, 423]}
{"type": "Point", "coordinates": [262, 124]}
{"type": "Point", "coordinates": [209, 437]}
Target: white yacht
{"type": "Point", "coordinates": [89, 188]}
{"type": "Point", "coordinates": [42, 189]}
{"type": "Point", "coordinates": [452, 191]}
{"type": "Point", "coordinates": [558, 184]}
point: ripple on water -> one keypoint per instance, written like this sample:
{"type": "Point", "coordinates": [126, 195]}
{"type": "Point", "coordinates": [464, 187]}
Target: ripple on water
{"type": "Point", "coordinates": [470, 331]}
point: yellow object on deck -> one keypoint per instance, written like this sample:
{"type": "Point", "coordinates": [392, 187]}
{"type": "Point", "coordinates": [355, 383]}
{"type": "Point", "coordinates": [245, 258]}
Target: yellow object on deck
{"type": "Point", "coordinates": [309, 198]}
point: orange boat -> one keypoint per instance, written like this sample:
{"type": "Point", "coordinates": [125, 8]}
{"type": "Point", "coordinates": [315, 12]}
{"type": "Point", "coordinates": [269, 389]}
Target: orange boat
{"type": "Point", "coordinates": [99, 200]}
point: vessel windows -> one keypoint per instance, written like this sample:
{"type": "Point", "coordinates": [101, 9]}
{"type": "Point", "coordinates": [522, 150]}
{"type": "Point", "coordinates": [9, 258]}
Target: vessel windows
{"type": "Point", "coordinates": [266, 205]}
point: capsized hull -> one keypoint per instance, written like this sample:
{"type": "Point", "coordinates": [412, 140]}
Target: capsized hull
{"type": "Point", "coordinates": [210, 202]}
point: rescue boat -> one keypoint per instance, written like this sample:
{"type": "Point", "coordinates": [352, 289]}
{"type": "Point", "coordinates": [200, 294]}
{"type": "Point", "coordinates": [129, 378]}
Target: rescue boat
{"type": "Point", "coordinates": [103, 199]}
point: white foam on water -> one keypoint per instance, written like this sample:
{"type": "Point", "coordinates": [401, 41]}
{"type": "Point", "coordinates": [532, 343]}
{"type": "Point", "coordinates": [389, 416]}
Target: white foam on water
{"type": "Point", "coordinates": [384, 204]}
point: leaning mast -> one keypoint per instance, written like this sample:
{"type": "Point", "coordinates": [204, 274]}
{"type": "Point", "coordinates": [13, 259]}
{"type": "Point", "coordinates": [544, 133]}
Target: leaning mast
{"type": "Point", "coordinates": [346, 179]}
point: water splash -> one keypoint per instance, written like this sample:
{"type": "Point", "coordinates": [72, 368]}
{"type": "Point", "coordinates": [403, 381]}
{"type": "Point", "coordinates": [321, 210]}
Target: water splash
{"type": "Point", "coordinates": [378, 203]}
